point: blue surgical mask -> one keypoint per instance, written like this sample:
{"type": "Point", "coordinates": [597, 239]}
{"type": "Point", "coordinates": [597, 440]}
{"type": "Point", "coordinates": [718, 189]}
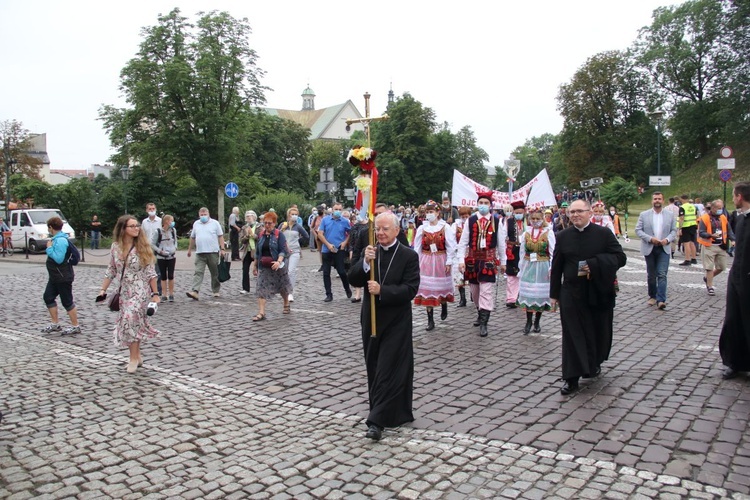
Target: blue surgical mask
{"type": "Point", "coordinates": [171, 224]}
{"type": "Point", "coordinates": [518, 216]}
{"type": "Point", "coordinates": [719, 212]}
{"type": "Point", "coordinates": [431, 217]}
{"type": "Point", "coordinates": [204, 218]}
{"type": "Point", "coordinates": [483, 209]}
{"type": "Point", "coordinates": [337, 214]}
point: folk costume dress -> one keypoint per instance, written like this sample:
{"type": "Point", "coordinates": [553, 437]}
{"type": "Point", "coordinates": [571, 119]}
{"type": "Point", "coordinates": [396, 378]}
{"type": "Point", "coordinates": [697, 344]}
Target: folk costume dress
{"type": "Point", "coordinates": [436, 246]}
{"type": "Point", "coordinates": [135, 293]}
{"type": "Point", "coordinates": [537, 247]}
{"type": "Point", "coordinates": [604, 221]}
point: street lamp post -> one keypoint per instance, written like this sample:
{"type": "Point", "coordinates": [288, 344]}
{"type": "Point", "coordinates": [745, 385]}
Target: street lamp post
{"type": "Point", "coordinates": [125, 172]}
{"type": "Point", "coordinates": [657, 115]}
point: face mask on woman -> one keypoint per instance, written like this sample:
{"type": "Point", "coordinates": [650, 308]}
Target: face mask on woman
{"type": "Point", "coordinates": [598, 218]}
{"type": "Point", "coordinates": [612, 213]}
{"type": "Point", "coordinates": [537, 223]}
{"type": "Point", "coordinates": [431, 217]}
{"type": "Point", "coordinates": [518, 216]}
{"type": "Point", "coordinates": [483, 209]}
{"type": "Point", "coordinates": [293, 219]}
{"type": "Point", "coordinates": [171, 224]}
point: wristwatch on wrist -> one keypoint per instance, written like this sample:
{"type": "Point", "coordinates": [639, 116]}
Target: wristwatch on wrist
{"type": "Point", "coordinates": [154, 294]}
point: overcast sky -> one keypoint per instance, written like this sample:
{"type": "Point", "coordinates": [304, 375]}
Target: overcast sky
{"type": "Point", "coordinates": [493, 65]}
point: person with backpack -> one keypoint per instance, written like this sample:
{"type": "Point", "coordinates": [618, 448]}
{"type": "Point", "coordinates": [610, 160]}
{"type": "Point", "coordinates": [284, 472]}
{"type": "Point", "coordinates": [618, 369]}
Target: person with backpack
{"type": "Point", "coordinates": [164, 244]}
{"type": "Point", "coordinates": [61, 257]}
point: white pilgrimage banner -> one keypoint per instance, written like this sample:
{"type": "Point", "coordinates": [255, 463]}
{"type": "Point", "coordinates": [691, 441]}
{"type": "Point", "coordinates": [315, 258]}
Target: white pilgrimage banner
{"type": "Point", "coordinates": [465, 192]}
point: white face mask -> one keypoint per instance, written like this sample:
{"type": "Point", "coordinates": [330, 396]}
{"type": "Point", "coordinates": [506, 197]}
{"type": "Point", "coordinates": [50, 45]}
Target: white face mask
{"type": "Point", "coordinates": [537, 223]}
{"type": "Point", "coordinates": [431, 217]}
{"type": "Point", "coordinates": [152, 213]}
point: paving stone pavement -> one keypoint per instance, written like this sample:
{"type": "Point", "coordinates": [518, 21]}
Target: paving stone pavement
{"type": "Point", "coordinates": [229, 408]}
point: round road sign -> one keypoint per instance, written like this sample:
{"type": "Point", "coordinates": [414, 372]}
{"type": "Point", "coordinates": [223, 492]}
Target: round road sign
{"type": "Point", "coordinates": [726, 152]}
{"type": "Point", "coordinates": [725, 175]}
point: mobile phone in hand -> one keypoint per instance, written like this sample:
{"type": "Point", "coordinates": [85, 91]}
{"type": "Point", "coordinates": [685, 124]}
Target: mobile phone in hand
{"type": "Point", "coordinates": [100, 298]}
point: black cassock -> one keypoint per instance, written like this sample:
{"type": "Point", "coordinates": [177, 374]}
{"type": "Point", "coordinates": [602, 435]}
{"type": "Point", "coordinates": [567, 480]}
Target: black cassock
{"type": "Point", "coordinates": [734, 342]}
{"type": "Point", "coordinates": [586, 304]}
{"type": "Point", "coordinates": [389, 357]}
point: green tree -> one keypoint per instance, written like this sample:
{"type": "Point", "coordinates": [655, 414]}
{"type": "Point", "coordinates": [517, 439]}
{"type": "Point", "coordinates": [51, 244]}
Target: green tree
{"type": "Point", "coordinates": [470, 157]}
{"type": "Point", "coordinates": [405, 139]}
{"type": "Point", "coordinates": [686, 51]}
{"type": "Point", "coordinates": [603, 112]}
{"type": "Point", "coordinates": [189, 92]}
{"type": "Point", "coordinates": [76, 200]}
{"type": "Point", "coordinates": [15, 142]}
{"type": "Point", "coordinates": [619, 193]}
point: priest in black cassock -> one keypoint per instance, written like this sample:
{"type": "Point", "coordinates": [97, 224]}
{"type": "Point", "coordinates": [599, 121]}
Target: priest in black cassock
{"type": "Point", "coordinates": [582, 281]}
{"type": "Point", "coordinates": [734, 342]}
{"type": "Point", "coordinates": [389, 356]}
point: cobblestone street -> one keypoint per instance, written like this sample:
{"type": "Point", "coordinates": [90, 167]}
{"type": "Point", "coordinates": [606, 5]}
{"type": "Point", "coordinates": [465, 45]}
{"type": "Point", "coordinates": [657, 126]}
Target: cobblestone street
{"type": "Point", "coordinates": [225, 407]}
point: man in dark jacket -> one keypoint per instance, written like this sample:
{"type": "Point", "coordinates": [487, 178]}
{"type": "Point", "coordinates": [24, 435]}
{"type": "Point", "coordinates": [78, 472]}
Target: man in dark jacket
{"type": "Point", "coordinates": [60, 281]}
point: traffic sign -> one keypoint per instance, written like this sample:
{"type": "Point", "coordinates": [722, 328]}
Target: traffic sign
{"type": "Point", "coordinates": [725, 175]}
{"type": "Point", "coordinates": [725, 163]}
{"type": "Point", "coordinates": [659, 180]}
{"type": "Point", "coordinates": [231, 190]}
{"type": "Point", "coordinates": [726, 152]}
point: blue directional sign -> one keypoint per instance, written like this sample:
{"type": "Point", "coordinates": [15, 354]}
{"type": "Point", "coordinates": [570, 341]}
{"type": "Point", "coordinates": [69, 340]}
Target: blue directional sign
{"type": "Point", "coordinates": [231, 190]}
{"type": "Point", "coordinates": [725, 175]}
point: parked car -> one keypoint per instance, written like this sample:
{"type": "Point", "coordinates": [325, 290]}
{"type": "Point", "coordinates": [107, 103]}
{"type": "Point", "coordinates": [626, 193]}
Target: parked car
{"type": "Point", "coordinates": [29, 227]}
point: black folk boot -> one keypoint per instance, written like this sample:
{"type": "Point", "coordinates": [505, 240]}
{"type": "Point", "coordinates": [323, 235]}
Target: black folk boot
{"type": "Point", "coordinates": [478, 321]}
{"type": "Point", "coordinates": [527, 328]}
{"type": "Point", "coordinates": [462, 293]}
{"type": "Point", "coordinates": [443, 311]}
{"type": "Point", "coordinates": [430, 320]}
{"type": "Point", "coordinates": [485, 317]}
{"type": "Point", "coordinates": [537, 317]}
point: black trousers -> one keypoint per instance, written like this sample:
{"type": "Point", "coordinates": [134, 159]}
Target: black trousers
{"type": "Point", "coordinates": [246, 263]}
{"type": "Point", "coordinates": [234, 242]}
{"type": "Point", "coordinates": [336, 260]}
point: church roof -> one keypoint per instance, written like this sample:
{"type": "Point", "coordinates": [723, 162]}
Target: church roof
{"type": "Point", "coordinates": [318, 120]}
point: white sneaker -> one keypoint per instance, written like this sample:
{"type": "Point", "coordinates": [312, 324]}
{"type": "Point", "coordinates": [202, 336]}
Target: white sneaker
{"type": "Point", "coordinates": [291, 298]}
{"type": "Point", "coordinates": [217, 294]}
{"type": "Point", "coordinates": [244, 292]}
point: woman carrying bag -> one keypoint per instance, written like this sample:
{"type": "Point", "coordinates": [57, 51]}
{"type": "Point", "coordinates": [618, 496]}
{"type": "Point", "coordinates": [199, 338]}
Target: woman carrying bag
{"type": "Point", "coordinates": [132, 259]}
{"type": "Point", "coordinates": [164, 244]}
{"type": "Point", "coordinates": [270, 267]}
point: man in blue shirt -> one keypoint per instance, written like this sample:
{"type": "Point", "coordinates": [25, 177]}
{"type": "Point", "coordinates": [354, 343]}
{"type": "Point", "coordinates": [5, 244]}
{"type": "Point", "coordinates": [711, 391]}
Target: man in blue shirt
{"type": "Point", "coordinates": [333, 235]}
{"type": "Point", "coordinates": [60, 281]}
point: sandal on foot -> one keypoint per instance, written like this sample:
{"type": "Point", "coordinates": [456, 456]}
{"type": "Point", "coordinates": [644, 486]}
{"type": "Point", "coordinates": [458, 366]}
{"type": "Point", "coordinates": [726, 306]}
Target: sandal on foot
{"type": "Point", "coordinates": [287, 309]}
{"type": "Point", "coordinates": [259, 317]}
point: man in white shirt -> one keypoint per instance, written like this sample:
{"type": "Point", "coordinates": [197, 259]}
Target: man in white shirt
{"type": "Point", "coordinates": [481, 251]}
{"type": "Point", "coordinates": [207, 238]}
{"type": "Point", "coordinates": [149, 226]}
{"type": "Point", "coordinates": [656, 228]}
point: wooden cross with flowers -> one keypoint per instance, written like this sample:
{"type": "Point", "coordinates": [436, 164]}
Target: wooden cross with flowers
{"type": "Point", "coordinates": [363, 158]}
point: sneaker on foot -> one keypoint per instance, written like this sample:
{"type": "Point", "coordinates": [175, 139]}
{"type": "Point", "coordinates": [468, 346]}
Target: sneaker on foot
{"type": "Point", "coordinates": [711, 291]}
{"type": "Point", "coordinates": [216, 294]}
{"type": "Point", "coordinates": [71, 330]}
{"type": "Point", "coordinates": [662, 305]}
{"type": "Point", "coordinates": [52, 327]}
{"type": "Point", "coordinates": [685, 263]}
{"type": "Point", "coordinates": [693, 261]}
{"type": "Point", "coordinates": [193, 295]}
{"type": "Point", "coordinates": [244, 292]}
{"type": "Point", "coordinates": [651, 302]}
{"type": "Point", "coordinates": [171, 298]}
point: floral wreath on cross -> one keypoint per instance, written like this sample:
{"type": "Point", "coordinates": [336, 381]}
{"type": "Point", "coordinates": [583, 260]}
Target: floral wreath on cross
{"type": "Point", "coordinates": [363, 159]}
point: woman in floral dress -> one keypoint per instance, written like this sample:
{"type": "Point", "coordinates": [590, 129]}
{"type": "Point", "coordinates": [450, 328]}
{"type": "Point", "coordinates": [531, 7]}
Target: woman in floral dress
{"type": "Point", "coordinates": [435, 243]}
{"type": "Point", "coordinates": [537, 243]}
{"type": "Point", "coordinates": [132, 258]}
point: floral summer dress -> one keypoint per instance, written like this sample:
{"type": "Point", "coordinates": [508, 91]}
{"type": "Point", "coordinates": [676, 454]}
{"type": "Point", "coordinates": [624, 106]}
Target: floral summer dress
{"type": "Point", "coordinates": [132, 323]}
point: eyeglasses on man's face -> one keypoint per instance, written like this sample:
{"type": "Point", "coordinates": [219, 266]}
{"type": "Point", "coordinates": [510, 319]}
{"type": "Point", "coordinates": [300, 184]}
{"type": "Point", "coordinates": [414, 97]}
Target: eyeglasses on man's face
{"type": "Point", "coordinates": [577, 212]}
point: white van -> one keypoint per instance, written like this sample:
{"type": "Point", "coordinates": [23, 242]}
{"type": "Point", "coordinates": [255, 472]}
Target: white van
{"type": "Point", "coordinates": [29, 227]}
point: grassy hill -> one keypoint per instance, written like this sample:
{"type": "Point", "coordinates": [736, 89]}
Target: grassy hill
{"type": "Point", "coordinates": [701, 180]}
